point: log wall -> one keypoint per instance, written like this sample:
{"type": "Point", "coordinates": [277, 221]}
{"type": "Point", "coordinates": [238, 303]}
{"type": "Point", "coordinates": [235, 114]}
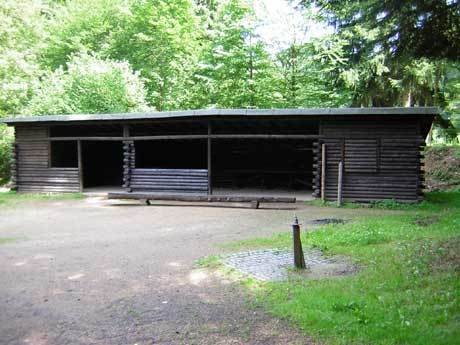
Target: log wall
{"type": "Point", "coordinates": [382, 160]}
{"type": "Point", "coordinates": [169, 180]}
{"type": "Point", "coordinates": [129, 159]}
{"type": "Point", "coordinates": [31, 170]}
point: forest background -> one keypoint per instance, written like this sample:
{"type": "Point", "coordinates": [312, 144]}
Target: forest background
{"type": "Point", "coordinates": [109, 56]}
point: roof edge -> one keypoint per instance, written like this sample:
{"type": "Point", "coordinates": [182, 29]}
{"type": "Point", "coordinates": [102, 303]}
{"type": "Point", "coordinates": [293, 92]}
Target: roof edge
{"type": "Point", "coordinates": [225, 112]}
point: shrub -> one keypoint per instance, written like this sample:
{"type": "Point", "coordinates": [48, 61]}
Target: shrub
{"type": "Point", "coordinates": [6, 140]}
{"type": "Point", "coordinates": [89, 85]}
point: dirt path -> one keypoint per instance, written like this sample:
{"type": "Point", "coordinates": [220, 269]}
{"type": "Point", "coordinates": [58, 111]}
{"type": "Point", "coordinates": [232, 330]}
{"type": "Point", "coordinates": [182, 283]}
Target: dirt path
{"type": "Point", "coordinates": [97, 272]}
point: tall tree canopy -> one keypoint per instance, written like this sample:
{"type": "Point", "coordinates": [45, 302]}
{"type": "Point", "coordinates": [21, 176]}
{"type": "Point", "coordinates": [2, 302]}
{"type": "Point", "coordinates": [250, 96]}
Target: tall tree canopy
{"type": "Point", "coordinates": [235, 70]}
{"type": "Point", "coordinates": [416, 28]}
{"type": "Point", "coordinates": [21, 32]}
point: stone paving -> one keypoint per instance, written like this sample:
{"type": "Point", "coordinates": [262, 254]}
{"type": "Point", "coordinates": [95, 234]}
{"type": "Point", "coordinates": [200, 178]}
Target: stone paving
{"type": "Point", "coordinates": [271, 264]}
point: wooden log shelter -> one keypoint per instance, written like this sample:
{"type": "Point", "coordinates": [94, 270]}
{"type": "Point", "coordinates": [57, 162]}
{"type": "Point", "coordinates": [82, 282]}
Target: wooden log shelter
{"type": "Point", "coordinates": [344, 154]}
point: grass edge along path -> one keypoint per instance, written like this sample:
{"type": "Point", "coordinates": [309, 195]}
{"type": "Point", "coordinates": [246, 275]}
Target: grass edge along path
{"type": "Point", "coordinates": [12, 198]}
{"type": "Point", "coordinates": [406, 291]}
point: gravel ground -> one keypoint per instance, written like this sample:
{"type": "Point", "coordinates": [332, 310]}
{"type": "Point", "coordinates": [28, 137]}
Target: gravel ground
{"type": "Point", "coordinates": [94, 271]}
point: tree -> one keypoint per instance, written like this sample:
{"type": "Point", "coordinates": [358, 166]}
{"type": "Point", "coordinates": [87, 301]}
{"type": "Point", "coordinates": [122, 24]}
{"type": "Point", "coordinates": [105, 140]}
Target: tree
{"type": "Point", "coordinates": [21, 27]}
{"type": "Point", "coordinates": [415, 28]}
{"type": "Point", "coordinates": [160, 39]}
{"type": "Point", "coordinates": [381, 70]}
{"type": "Point", "coordinates": [89, 85]}
{"type": "Point", "coordinates": [81, 26]}
{"type": "Point", "coordinates": [234, 70]}
{"type": "Point", "coordinates": [308, 75]}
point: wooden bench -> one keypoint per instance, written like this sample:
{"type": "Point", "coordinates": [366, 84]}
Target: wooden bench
{"type": "Point", "coordinates": [146, 197]}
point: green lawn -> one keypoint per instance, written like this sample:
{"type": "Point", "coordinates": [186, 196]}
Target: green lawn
{"type": "Point", "coordinates": [13, 198]}
{"type": "Point", "coordinates": [406, 291]}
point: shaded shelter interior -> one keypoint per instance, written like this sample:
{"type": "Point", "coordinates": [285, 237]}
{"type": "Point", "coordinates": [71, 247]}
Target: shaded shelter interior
{"type": "Point", "coordinates": [262, 164]}
{"type": "Point", "coordinates": [64, 154]}
{"type": "Point", "coordinates": [102, 163]}
{"type": "Point", "coordinates": [171, 154]}
{"type": "Point", "coordinates": [236, 163]}
{"type": "Point", "coordinates": [280, 163]}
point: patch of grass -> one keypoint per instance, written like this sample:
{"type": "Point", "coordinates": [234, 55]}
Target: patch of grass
{"type": "Point", "coordinates": [383, 204]}
{"type": "Point", "coordinates": [14, 198]}
{"type": "Point", "coordinates": [281, 240]}
{"type": "Point", "coordinates": [406, 291]}
{"type": "Point", "coordinates": [4, 240]}
{"type": "Point", "coordinates": [211, 261]}
{"type": "Point", "coordinates": [433, 201]}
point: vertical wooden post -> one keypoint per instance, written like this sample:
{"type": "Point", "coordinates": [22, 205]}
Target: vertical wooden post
{"type": "Point", "coordinates": [125, 131]}
{"type": "Point", "coordinates": [339, 184]}
{"type": "Point", "coordinates": [14, 167]}
{"type": "Point", "coordinates": [209, 160]}
{"type": "Point", "coordinates": [323, 172]}
{"type": "Point", "coordinates": [299, 260]}
{"type": "Point", "coordinates": [80, 165]}
{"type": "Point", "coordinates": [128, 163]}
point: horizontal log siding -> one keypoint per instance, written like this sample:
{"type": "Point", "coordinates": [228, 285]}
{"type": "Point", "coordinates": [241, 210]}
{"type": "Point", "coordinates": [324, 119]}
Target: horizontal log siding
{"type": "Point", "coordinates": [382, 160]}
{"type": "Point", "coordinates": [316, 179]}
{"type": "Point", "coordinates": [169, 180]}
{"type": "Point", "coordinates": [14, 168]}
{"type": "Point", "coordinates": [32, 170]}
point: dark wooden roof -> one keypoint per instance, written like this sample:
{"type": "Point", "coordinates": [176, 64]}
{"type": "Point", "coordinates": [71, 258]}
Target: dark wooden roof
{"type": "Point", "coordinates": [211, 113]}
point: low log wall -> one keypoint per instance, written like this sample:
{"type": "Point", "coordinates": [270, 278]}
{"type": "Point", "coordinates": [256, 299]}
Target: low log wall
{"type": "Point", "coordinates": [169, 180]}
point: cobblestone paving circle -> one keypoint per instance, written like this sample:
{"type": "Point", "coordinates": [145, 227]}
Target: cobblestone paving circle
{"type": "Point", "coordinates": [271, 264]}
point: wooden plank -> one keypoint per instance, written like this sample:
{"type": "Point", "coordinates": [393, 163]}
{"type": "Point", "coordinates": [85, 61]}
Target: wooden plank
{"type": "Point", "coordinates": [80, 165]}
{"type": "Point", "coordinates": [209, 159]}
{"type": "Point", "coordinates": [202, 197]}
{"type": "Point", "coordinates": [187, 137]}
{"type": "Point", "coordinates": [164, 179]}
{"type": "Point", "coordinates": [36, 179]}
{"type": "Point", "coordinates": [323, 171]}
{"type": "Point", "coordinates": [180, 184]}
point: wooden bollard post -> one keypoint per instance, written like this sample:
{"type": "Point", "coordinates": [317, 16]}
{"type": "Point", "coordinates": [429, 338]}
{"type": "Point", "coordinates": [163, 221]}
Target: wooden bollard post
{"type": "Point", "coordinates": [323, 172]}
{"type": "Point", "coordinates": [339, 184]}
{"type": "Point", "coordinates": [299, 260]}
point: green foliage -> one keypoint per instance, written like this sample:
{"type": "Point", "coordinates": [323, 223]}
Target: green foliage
{"type": "Point", "coordinates": [306, 75]}
{"type": "Point", "coordinates": [451, 94]}
{"type": "Point", "coordinates": [406, 290]}
{"type": "Point", "coordinates": [21, 28]}
{"type": "Point", "coordinates": [211, 261]}
{"type": "Point", "coordinates": [5, 240]}
{"type": "Point", "coordinates": [206, 54]}
{"type": "Point", "coordinates": [80, 26]}
{"type": "Point", "coordinates": [160, 39]}
{"type": "Point", "coordinates": [163, 44]}
{"type": "Point", "coordinates": [89, 85]}
{"type": "Point", "coordinates": [234, 71]}
{"type": "Point", "coordinates": [416, 28]}
{"type": "Point", "coordinates": [6, 140]}
{"type": "Point", "coordinates": [12, 199]}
